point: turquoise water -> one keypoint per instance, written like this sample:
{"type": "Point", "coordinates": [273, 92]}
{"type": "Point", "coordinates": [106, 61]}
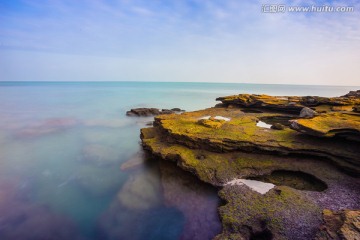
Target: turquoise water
{"type": "Point", "coordinates": [63, 146]}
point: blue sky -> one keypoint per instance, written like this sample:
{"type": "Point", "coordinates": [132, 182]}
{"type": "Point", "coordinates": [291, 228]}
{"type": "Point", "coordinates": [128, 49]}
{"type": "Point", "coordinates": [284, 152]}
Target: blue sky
{"type": "Point", "coordinates": [178, 40]}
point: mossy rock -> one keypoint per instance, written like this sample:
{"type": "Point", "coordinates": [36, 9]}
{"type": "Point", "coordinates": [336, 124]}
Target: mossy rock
{"type": "Point", "coordinates": [330, 125]}
{"type": "Point", "coordinates": [238, 149]}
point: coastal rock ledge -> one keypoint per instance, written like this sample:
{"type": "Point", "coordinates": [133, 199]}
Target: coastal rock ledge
{"type": "Point", "coordinates": [280, 176]}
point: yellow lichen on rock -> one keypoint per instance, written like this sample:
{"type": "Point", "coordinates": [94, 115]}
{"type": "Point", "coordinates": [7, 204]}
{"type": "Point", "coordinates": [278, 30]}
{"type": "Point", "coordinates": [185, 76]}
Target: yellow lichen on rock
{"type": "Point", "coordinates": [211, 122]}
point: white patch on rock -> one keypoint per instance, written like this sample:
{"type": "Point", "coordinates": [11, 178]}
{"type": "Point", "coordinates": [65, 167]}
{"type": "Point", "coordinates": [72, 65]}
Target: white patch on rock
{"type": "Point", "coordinates": [257, 186]}
{"type": "Point", "coordinates": [216, 117]}
{"type": "Point", "coordinates": [222, 118]}
{"type": "Point", "coordinates": [263, 124]}
{"type": "Point", "coordinates": [205, 117]}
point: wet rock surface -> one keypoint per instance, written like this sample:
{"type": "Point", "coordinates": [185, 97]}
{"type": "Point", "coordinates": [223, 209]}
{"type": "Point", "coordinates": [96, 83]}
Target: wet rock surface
{"type": "Point", "coordinates": [311, 172]}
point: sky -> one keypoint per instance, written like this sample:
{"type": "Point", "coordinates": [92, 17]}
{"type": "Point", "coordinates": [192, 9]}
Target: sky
{"type": "Point", "coordinates": [179, 40]}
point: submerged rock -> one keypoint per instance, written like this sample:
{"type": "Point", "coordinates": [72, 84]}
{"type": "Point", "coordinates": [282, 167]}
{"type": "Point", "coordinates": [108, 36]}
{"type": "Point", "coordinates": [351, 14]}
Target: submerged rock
{"type": "Point", "coordinates": [196, 200]}
{"type": "Point", "coordinates": [100, 155]}
{"type": "Point", "coordinates": [138, 159]}
{"type": "Point", "coordinates": [48, 126]}
{"type": "Point", "coordinates": [141, 190]}
{"type": "Point", "coordinates": [97, 181]}
{"type": "Point", "coordinates": [20, 218]}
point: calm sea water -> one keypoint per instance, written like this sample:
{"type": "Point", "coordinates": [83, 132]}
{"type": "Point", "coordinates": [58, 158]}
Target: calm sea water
{"type": "Point", "coordinates": [71, 165]}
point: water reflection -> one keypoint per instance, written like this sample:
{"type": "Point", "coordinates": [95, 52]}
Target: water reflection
{"type": "Point", "coordinates": [96, 185]}
{"type": "Point", "coordinates": [160, 201]}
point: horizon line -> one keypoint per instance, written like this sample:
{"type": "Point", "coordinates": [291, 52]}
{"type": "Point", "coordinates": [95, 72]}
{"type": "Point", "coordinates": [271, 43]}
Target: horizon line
{"type": "Point", "coordinates": [119, 81]}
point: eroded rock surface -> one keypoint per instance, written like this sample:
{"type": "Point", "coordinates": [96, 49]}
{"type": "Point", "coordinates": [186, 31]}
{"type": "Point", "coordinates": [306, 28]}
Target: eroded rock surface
{"type": "Point", "coordinates": [346, 125]}
{"type": "Point", "coordinates": [309, 170]}
{"type": "Point", "coordinates": [292, 104]}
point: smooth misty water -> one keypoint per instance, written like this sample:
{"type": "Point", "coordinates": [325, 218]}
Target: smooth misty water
{"type": "Point", "coordinates": [62, 145]}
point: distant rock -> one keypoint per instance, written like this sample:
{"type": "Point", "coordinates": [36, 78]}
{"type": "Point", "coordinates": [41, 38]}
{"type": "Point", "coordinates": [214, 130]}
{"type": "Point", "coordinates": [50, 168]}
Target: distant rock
{"type": "Point", "coordinates": [143, 112]}
{"type": "Point", "coordinates": [177, 110]}
{"type": "Point", "coordinates": [289, 104]}
{"type": "Point", "coordinates": [149, 112]}
{"type": "Point", "coordinates": [310, 101]}
{"type": "Point", "coordinates": [355, 94]}
{"type": "Point", "coordinates": [166, 111]}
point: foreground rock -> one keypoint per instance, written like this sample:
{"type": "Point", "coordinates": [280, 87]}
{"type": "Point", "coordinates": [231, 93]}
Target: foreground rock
{"type": "Point", "coordinates": [311, 172]}
{"type": "Point", "coordinates": [343, 224]}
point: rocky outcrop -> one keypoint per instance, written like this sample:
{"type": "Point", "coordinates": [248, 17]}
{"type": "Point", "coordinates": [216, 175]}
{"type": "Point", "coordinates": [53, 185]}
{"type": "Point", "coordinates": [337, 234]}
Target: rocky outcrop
{"type": "Point", "coordinates": [149, 112]}
{"type": "Point", "coordinates": [143, 112]}
{"type": "Point", "coordinates": [355, 94]}
{"type": "Point", "coordinates": [291, 104]}
{"type": "Point", "coordinates": [223, 145]}
{"type": "Point", "coordinates": [346, 125]}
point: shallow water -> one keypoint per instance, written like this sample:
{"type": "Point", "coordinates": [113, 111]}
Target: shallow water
{"type": "Point", "coordinates": [70, 168]}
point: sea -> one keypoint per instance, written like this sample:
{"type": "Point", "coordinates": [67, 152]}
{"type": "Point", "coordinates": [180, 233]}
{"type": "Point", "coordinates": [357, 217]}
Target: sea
{"type": "Point", "coordinates": [72, 166]}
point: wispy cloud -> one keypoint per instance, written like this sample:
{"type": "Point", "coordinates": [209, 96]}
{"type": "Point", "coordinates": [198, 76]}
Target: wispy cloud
{"type": "Point", "coordinates": [206, 39]}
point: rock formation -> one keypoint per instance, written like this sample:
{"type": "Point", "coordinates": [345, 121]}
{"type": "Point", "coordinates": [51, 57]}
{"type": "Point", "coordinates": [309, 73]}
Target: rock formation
{"type": "Point", "coordinates": [149, 112]}
{"type": "Point", "coordinates": [314, 161]}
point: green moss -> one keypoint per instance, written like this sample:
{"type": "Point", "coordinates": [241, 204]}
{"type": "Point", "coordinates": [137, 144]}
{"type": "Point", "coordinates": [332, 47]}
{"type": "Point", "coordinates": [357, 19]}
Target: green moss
{"type": "Point", "coordinates": [250, 208]}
